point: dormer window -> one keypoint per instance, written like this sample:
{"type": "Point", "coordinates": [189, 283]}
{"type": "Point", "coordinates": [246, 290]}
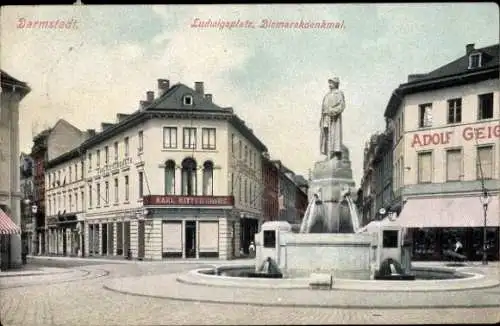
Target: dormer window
{"type": "Point", "coordinates": [475, 60]}
{"type": "Point", "coordinates": [187, 100]}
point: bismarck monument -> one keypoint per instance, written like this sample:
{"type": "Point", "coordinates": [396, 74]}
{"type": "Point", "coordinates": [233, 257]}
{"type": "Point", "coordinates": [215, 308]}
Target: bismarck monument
{"type": "Point", "coordinates": [331, 180]}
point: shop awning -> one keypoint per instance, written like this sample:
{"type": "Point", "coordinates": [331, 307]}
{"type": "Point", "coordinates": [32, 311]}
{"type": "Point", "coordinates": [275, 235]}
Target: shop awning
{"type": "Point", "coordinates": [7, 226]}
{"type": "Point", "coordinates": [449, 212]}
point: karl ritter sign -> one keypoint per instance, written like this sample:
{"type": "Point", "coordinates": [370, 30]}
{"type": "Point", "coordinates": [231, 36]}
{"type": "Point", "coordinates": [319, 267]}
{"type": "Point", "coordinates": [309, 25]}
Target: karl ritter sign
{"type": "Point", "coordinates": [159, 200]}
{"type": "Point", "coordinates": [467, 134]}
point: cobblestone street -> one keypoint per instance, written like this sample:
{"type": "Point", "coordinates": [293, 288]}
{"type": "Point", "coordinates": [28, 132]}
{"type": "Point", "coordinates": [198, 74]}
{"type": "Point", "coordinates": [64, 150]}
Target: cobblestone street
{"type": "Point", "coordinates": [84, 301]}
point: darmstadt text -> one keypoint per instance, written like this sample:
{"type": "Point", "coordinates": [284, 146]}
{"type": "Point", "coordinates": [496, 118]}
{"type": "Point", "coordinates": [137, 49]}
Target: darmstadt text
{"type": "Point", "coordinates": [266, 24]}
{"type": "Point", "coordinates": [24, 23]}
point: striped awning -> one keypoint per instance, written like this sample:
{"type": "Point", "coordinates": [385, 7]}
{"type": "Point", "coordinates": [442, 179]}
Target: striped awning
{"type": "Point", "coordinates": [7, 226]}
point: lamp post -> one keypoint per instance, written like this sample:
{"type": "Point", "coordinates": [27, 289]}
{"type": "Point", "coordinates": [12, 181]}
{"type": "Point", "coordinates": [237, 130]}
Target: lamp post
{"type": "Point", "coordinates": [485, 200]}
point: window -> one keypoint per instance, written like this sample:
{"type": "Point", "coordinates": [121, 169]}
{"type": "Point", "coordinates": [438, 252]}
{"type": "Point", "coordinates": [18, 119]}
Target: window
{"type": "Point", "coordinates": [475, 60]}
{"type": "Point", "coordinates": [250, 199]}
{"type": "Point", "coordinates": [208, 176]}
{"type": "Point", "coordinates": [455, 110]}
{"type": "Point", "coordinates": [425, 167]}
{"type": "Point", "coordinates": [187, 100]}
{"type": "Point", "coordinates": [170, 137]}
{"type": "Point", "coordinates": [140, 137]}
{"type": "Point", "coordinates": [116, 151]}
{"type": "Point", "coordinates": [98, 155]}
{"type": "Point", "coordinates": [81, 169]}
{"type": "Point", "coordinates": [485, 106]}
{"type": "Point", "coordinates": [98, 191]}
{"type": "Point", "coordinates": [81, 199]}
{"type": "Point", "coordinates": [390, 239]}
{"type": "Point", "coordinates": [64, 201]}
{"type": "Point", "coordinates": [246, 192]}
{"type": "Point", "coordinates": [141, 184]}
{"type": "Point", "coordinates": [126, 144]}
{"type": "Point", "coordinates": [106, 187]}
{"type": "Point", "coordinates": [76, 202]}
{"type": "Point", "coordinates": [70, 202]}
{"type": "Point", "coordinates": [70, 175]}
{"type": "Point", "coordinates": [269, 239]}
{"type": "Point", "coordinates": [245, 158]}
{"type": "Point", "coordinates": [189, 140]}
{"type": "Point", "coordinates": [484, 161]}
{"type": "Point", "coordinates": [233, 139]}
{"type": "Point", "coordinates": [453, 165]}
{"type": "Point", "coordinates": [90, 196]}
{"type": "Point", "coordinates": [106, 155]}
{"type": "Point", "coordinates": [189, 177]}
{"type": "Point", "coordinates": [116, 190]}
{"type": "Point", "coordinates": [240, 190]}
{"type": "Point", "coordinates": [126, 189]}
{"type": "Point", "coordinates": [425, 115]}
{"type": "Point", "coordinates": [232, 185]}
{"type": "Point", "coordinates": [240, 149]}
{"type": "Point", "coordinates": [90, 161]}
{"type": "Point", "coordinates": [76, 171]}
{"type": "Point", "coordinates": [170, 178]}
{"type": "Point", "coordinates": [208, 138]}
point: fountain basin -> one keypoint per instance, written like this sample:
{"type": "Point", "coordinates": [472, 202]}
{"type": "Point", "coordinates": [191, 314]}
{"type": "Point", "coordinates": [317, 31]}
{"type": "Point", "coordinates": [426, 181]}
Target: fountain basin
{"type": "Point", "coordinates": [427, 279]}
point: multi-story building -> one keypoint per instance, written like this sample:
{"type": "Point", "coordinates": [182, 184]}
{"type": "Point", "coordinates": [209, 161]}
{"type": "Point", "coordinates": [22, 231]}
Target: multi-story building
{"type": "Point", "coordinates": [290, 194]}
{"type": "Point", "coordinates": [13, 91]}
{"type": "Point", "coordinates": [49, 145]}
{"type": "Point", "coordinates": [26, 187]}
{"type": "Point", "coordinates": [270, 177]}
{"type": "Point", "coordinates": [376, 183]}
{"type": "Point", "coordinates": [446, 154]}
{"type": "Point", "coordinates": [301, 200]}
{"type": "Point", "coordinates": [180, 177]}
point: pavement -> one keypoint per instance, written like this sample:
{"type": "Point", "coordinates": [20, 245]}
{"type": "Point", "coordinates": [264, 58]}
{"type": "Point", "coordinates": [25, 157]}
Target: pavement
{"type": "Point", "coordinates": [83, 301]}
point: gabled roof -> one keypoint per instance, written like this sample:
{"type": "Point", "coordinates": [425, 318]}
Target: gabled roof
{"type": "Point", "coordinates": [455, 73]}
{"type": "Point", "coordinates": [490, 59]}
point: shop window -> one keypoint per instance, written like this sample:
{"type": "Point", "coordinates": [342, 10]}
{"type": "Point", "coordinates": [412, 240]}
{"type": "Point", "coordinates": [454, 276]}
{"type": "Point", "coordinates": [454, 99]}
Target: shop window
{"type": "Point", "coordinates": [390, 239]}
{"type": "Point", "coordinates": [269, 239]}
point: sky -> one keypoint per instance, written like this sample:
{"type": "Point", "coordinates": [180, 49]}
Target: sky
{"type": "Point", "coordinates": [275, 79]}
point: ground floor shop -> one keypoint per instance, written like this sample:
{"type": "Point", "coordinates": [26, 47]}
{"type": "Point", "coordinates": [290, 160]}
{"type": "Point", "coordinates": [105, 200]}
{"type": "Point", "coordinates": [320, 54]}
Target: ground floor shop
{"type": "Point", "coordinates": [156, 233]}
{"type": "Point", "coordinates": [10, 241]}
{"type": "Point", "coordinates": [63, 236]}
{"type": "Point", "coordinates": [437, 223]}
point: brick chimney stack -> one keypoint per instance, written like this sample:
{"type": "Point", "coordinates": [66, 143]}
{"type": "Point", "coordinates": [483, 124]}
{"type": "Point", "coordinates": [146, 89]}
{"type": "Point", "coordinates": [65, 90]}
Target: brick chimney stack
{"type": "Point", "coordinates": [150, 96]}
{"type": "Point", "coordinates": [198, 87]}
{"type": "Point", "coordinates": [469, 48]}
{"type": "Point", "coordinates": [163, 86]}
{"type": "Point", "coordinates": [208, 97]}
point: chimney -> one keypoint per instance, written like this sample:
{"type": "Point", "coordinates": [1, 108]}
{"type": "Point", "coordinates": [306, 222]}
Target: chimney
{"type": "Point", "coordinates": [121, 116]}
{"type": "Point", "coordinates": [198, 87]}
{"type": "Point", "coordinates": [208, 97]}
{"type": "Point", "coordinates": [106, 125]}
{"type": "Point", "coordinates": [91, 132]}
{"type": "Point", "coordinates": [143, 104]}
{"type": "Point", "coordinates": [163, 86]}
{"type": "Point", "coordinates": [150, 96]}
{"type": "Point", "coordinates": [469, 48]}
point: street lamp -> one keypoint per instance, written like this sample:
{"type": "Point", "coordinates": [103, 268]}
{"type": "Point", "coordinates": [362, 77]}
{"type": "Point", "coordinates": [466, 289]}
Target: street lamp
{"type": "Point", "coordinates": [485, 200]}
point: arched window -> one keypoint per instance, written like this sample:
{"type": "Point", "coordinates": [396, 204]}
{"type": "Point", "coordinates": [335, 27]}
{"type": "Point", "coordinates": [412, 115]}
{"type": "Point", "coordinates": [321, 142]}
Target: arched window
{"type": "Point", "coordinates": [170, 177]}
{"type": "Point", "coordinates": [208, 176]}
{"type": "Point", "coordinates": [189, 177]}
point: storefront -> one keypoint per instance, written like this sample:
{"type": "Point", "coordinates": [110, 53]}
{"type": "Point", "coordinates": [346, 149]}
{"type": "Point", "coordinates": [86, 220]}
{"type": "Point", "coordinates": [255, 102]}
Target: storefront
{"type": "Point", "coordinates": [437, 223]}
{"type": "Point", "coordinates": [7, 229]}
{"type": "Point", "coordinates": [64, 235]}
{"type": "Point", "coordinates": [187, 227]}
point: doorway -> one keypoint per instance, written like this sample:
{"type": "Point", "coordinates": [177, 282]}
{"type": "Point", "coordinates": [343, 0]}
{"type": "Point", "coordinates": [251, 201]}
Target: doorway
{"type": "Point", "coordinates": [190, 236]}
{"type": "Point", "coordinates": [104, 240]}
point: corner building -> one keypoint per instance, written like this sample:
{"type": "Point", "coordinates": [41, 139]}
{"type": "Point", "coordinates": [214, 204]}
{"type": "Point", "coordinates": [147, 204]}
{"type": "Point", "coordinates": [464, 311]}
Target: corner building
{"type": "Point", "coordinates": [180, 177]}
{"type": "Point", "coordinates": [446, 136]}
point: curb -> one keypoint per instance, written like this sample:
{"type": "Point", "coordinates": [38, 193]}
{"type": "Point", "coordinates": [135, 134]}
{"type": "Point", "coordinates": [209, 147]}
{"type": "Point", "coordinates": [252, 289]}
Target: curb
{"type": "Point", "coordinates": [289, 305]}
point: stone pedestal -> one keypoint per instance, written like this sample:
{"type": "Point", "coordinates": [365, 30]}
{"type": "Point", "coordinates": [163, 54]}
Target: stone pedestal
{"type": "Point", "coordinates": [329, 179]}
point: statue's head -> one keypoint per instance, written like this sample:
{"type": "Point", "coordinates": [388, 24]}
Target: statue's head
{"type": "Point", "coordinates": [333, 83]}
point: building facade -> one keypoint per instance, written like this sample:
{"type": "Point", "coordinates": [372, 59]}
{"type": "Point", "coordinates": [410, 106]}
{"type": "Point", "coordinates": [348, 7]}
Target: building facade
{"type": "Point", "coordinates": [446, 154]}
{"type": "Point", "coordinates": [13, 91]}
{"type": "Point", "coordinates": [270, 177]}
{"type": "Point", "coordinates": [180, 177]}
{"type": "Point", "coordinates": [28, 236]}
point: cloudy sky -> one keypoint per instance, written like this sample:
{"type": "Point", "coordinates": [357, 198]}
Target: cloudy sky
{"type": "Point", "coordinates": [274, 78]}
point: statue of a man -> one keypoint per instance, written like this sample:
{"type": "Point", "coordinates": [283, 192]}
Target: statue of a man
{"type": "Point", "coordinates": [331, 121]}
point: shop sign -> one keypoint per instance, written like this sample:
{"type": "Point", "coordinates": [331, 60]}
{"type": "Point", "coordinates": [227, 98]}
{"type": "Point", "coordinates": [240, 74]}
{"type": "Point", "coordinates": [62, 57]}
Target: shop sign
{"type": "Point", "coordinates": [467, 134]}
{"type": "Point", "coordinates": [116, 165]}
{"type": "Point", "coordinates": [161, 200]}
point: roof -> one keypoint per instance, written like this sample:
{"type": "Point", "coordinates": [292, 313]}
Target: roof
{"type": "Point", "coordinates": [455, 73]}
{"type": "Point", "coordinates": [11, 83]}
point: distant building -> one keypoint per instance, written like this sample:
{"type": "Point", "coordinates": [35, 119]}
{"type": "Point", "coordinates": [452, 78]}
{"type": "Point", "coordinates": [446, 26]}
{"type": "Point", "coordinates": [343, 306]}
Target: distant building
{"type": "Point", "coordinates": [376, 184]}
{"type": "Point", "coordinates": [446, 136]}
{"type": "Point", "coordinates": [26, 170]}
{"type": "Point", "coordinates": [270, 178]}
{"type": "Point", "coordinates": [13, 91]}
